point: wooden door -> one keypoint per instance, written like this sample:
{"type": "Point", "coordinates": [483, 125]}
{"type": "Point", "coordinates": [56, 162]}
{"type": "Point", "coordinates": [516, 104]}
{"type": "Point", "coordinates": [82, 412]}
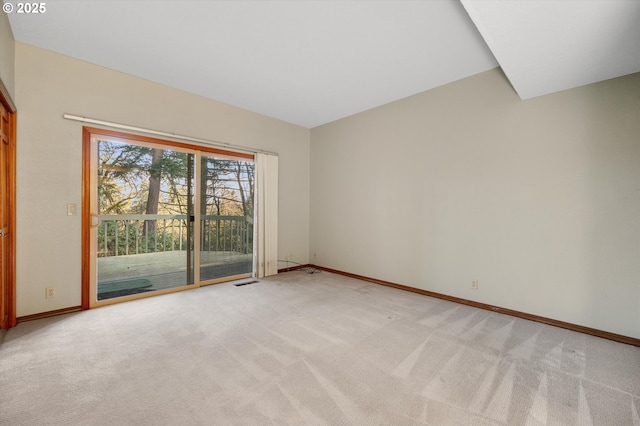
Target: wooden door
{"type": "Point", "coordinates": [7, 302]}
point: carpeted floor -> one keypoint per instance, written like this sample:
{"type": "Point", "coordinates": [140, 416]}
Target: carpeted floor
{"type": "Point", "coordinates": [303, 349]}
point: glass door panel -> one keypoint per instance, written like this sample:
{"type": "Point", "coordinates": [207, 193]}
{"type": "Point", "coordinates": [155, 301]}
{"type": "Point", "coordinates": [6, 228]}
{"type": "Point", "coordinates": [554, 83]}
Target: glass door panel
{"type": "Point", "coordinates": [226, 218]}
{"type": "Point", "coordinates": [163, 216]}
{"type": "Point", "coordinates": [145, 232]}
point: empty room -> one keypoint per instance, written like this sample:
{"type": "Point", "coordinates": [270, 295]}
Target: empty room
{"type": "Point", "coordinates": [322, 212]}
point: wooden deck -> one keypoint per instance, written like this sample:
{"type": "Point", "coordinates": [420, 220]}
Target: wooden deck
{"type": "Point", "coordinates": [169, 269]}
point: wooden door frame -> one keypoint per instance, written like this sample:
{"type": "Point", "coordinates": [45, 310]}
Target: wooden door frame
{"type": "Point", "coordinates": [8, 308]}
{"type": "Point", "coordinates": [87, 133]}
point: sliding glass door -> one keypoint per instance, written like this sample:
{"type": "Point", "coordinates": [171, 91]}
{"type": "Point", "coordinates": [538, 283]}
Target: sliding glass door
{"type": "Point", "coordinates": [155, 227]}
{"type": "Point", "coordinates": [226, 217]}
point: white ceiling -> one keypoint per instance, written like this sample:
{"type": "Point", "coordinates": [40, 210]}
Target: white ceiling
{"type": "Point", "coordinates": [312, 62]}
{"type": "Point", "coordinates": [548, 46]}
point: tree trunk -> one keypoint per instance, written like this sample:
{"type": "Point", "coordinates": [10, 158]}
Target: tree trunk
{"type": "Point", "coordinates": [242, 196]}
{"type": "Point", "coordinates": [204, 179]}
{"type": "Point", "coordinates": [250, 171]}
{"type": "Point", "coordinates": [153, 199]}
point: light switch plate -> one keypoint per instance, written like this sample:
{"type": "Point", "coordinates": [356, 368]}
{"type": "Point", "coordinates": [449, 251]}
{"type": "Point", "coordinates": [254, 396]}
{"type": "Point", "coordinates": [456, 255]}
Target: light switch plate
{"type": "Point", "coordinates": [72, 209]}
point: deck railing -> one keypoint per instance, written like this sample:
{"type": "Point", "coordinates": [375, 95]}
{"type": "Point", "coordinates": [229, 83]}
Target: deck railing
{"type": "Point", "coordinates": [122, 235]}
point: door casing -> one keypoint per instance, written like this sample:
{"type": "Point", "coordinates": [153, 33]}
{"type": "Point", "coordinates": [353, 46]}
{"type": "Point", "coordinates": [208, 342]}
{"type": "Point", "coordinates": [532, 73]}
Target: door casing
{"type": "Point", "coordinates": [7, 210]}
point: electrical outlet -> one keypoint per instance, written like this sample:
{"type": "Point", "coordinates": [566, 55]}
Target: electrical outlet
{"type": "Point", "coordinates": [474, 284]}
{"type": "Point", "coordinates": [50, 292]}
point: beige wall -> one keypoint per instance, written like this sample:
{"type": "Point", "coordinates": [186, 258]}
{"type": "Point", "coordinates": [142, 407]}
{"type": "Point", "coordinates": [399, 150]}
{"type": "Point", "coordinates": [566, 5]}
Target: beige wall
{"type": "Point", "coordinates": [49, 160]}
{"type": "Point", "coordinates": [539, 200]}
{"type": "Point", "coordinates": [536, 199]}
{"type": "Point", "coordinates": [7, 54]}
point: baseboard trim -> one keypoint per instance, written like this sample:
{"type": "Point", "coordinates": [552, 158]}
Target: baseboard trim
{"type": "Point", "coordinates": [296, 268]}
{"type": "Point", "coordinates": [531, 317]}
{"type": "Point", "coordinates": [48, 314]}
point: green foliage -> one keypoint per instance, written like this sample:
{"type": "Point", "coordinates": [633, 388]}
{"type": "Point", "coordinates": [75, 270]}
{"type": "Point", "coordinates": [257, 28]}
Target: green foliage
{"type": "Point", "coordinates": [128, 172]}
{"type": "Point", "coordinates": [125, 171]}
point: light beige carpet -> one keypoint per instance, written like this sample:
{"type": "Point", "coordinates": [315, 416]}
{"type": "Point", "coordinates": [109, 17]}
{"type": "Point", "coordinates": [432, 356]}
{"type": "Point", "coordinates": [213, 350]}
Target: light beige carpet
{"type": "Point", "coordinates": [305, 349]}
